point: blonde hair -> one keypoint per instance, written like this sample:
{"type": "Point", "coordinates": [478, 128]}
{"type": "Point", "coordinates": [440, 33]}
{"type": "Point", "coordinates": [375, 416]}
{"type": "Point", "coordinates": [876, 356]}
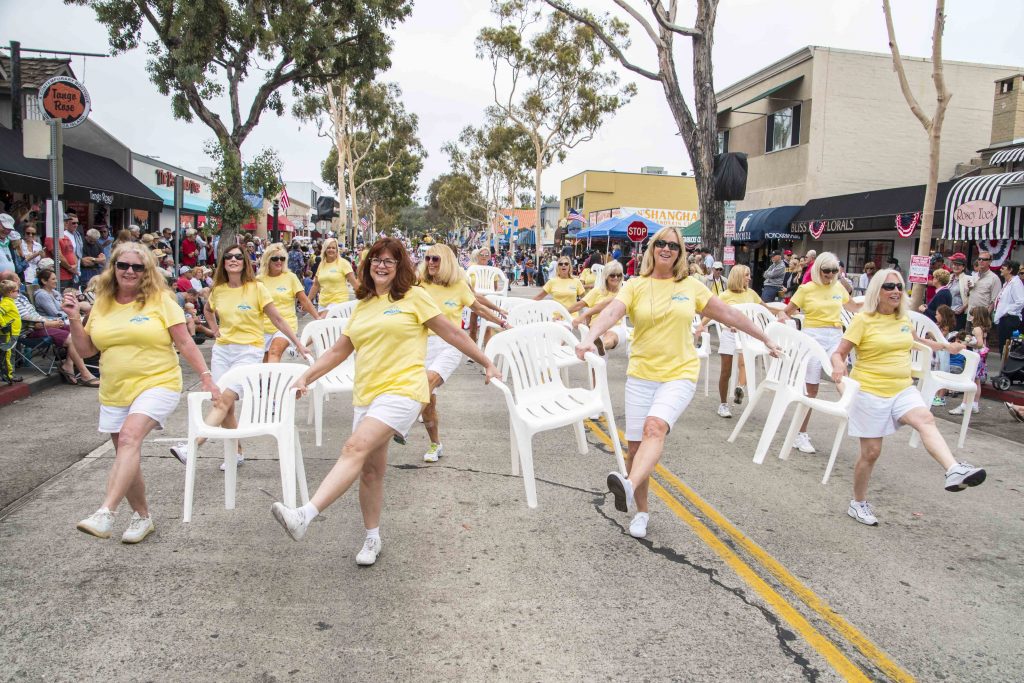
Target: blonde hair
{"type": "Point", "coordinates": [825, 259]}
{"type": "Point", "coordinates": [329, 242]}
{"type": "Point", "coordinates": [874, 292]}
{"type": "Point", "coordinates": [8, 287]}
{"type": "Point", "coordinates": [738, 278]}
{"type": "Point", "coordinates": [448, 271]}
{"type": "Point", "coordinates": [265, 259]}
{"type": "Point", "coordinates": [941, 275]}
{"type": "Point", "coordinates": [220, 276]}
{"type": "Point", "coordinates": [613, 268]}
{"type": "Point", "coordinates": [151, 284]}
{"type": "Point", "coordinates": [680, 269]}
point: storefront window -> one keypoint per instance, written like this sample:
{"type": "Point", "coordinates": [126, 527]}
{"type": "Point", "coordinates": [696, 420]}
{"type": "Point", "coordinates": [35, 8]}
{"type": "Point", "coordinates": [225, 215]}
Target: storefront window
{"type": "Point", "coordinates": [862, 251]}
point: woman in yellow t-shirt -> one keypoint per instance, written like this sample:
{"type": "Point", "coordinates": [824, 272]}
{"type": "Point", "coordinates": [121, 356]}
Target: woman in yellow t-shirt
{"type": "Point", "coordinates": [388, 333]}
{"type": "Point", "coordinates": [285, 289]}
{"type": "Point", "coordinates": [563, 287]}
{"type": "Point", "coordinates": [333, 276]}
{"type": "Point", "coordinates": [737, 291]}
{"type": "Point", "coordinates": [443, 279]}
{"type": "Point", "coordinates": [882, 333]}
{"type": "Point", "coordinates": [135, 324]}
{"type": "Point", "coordinates": [663, 363]}
{"type": "Point", "coordinates": [821, 300]}
{"type": "Point", "coordinates": [595, 301]}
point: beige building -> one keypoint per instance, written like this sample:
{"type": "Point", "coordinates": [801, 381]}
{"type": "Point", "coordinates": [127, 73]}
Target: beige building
{"type": "Point", "coordinates": [667, 199]}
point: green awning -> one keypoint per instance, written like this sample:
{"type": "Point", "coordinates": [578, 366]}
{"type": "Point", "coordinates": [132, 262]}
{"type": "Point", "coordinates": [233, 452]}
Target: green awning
{"type": "Point", "coordinates": [691, 233]}
{"type": "Point", "coordinates": [766, 93]}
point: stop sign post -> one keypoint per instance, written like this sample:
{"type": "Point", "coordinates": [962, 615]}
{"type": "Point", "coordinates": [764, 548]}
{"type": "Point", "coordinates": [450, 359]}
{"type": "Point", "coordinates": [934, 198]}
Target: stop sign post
{"type": "Point", "coordinates": [636, 231]}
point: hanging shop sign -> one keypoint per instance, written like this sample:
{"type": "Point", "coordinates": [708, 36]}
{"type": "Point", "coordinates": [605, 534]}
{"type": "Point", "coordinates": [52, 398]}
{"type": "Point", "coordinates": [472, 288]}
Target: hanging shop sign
{"type": "Point", "coordinates": [166, 178]}
{"type": "Point", "coordinates": [670, 218]}
{"type": "Point", "coordinates": [975, 213]}
{"type": "Point", "coordinates": [818, 228]}
{"type": "Point", "coordinates": [65, 99]}
{"type": "Point", "coordinates": [99, 197]}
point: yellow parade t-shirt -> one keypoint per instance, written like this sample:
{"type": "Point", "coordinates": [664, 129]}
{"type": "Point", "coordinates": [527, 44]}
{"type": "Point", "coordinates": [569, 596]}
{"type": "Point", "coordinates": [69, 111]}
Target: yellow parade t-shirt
{"type": "Point", "coordinates": [451, 299]}
{"type": "Point", "coordinates": [136, 350]}
{"type": "Point", "coordinates": [747, 296]}
{"type": "Point", "coordinates": [390, 339]}
{"type": "Point", "coordinates": [333, 279]}
{"type": "Point", "coordinates": [883, 352]}
{"type": "Point", "coordinates": [596, 296]}
{"type": "Point", "coordinates": [565, 290]}
{"type": "Point", "coordinates": [821, 304]}
{"type": "Point", "coordinates": [662, 315]}
{"type": "Point", "coordinates": [240, 313]}
{"type": "Point", "coordinates": [587, 277]}
{"type": "Point", "coordinates": [283, 289]}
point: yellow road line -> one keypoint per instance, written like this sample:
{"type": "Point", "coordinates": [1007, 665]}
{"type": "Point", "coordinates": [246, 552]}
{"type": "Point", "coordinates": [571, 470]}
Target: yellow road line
{"type": "Point", "coordinates": [775, 568]}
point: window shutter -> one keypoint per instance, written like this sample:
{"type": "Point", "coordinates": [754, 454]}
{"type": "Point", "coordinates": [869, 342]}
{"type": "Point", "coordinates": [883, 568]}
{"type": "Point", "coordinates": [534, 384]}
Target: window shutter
{"type": "Point", "coordinates": [796, 126]}
{"type": "Point", "coordinates": [769, 133]}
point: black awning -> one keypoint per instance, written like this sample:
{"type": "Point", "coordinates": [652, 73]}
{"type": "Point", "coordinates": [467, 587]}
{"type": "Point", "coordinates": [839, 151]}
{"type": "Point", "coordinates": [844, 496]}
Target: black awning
{"type": "Point", "coordinates": [86, 177]}
{"type": "Point", "coordinates": [760, 224]}
{"type": "Point", "coordinates": [876, 203]}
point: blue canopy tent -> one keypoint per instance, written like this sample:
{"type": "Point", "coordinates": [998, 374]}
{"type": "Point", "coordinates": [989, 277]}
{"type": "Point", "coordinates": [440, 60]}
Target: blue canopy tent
{"type": "Point", "coordinates": [618, 228]}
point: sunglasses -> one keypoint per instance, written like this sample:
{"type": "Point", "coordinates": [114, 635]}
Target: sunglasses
{"type": "Point", "coordinates": [889, 286]}
{"type": "Point", "coordinates": [617, 276]}
{"type": "Point", "coordinates": [665, 244]}
{"type": "Point", "coordinates": [432, 259]}
{"type": "Point", "coordinates": [984, 259]}
{"type": "Point", "coordinates": [234, 257]}
{"type": "Point", "coordinates": [563, 265]}
{"type": "Point", "coordinates": [278, 259]}
{"type": "Point", "coordinates": [135, 267]}
{"type": "Point", "coordinates": [30, 233]}
{"type": "Point", "coordinates": [829, 271]}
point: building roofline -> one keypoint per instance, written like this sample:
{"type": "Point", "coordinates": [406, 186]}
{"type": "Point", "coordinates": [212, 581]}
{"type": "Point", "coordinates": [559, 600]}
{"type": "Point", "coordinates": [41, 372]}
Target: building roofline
{"type": "Point", "coordinates": [171, 167]}
{"type": "Point", "coordinates": [689, 174]}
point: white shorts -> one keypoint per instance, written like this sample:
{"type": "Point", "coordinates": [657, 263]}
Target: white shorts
{"type": "Point", "coordinates": [622, 332]}
{"type": "Point", "coordinates": [726, 341]}
{"type": "Point", "coordinates": [397, 412]}
{"type": "Point", "coordinates": [157, 403]}
{"type": "Point", "coordinates": [442, 357]}
{"type": "Point", "coordinates": [873, 417]}
{"type": "Point", "coordinates": [268, 338]}
{"type": "Point", "coordinates": [664, 400]}
{"type": "Point", "coordinates": [227, 356]}
{"type": "Point", "coordinates": [828, 338]}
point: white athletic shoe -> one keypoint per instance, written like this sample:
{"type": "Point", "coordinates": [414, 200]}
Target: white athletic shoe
{"type": "Point", "coordinates": [962, 475]}
{"type": "Point", "coordinates": [724, 411]}
{"type": "Point", "coordinates": [803, 443]}
{"type": "Point", "coordinates": [433, 453]}
{"type": "Point", "coordinates": [138, 528]}
{"type": "Point", "coordinates": [98, 524]}
{"type": "Point", "coordinates": [861, 511]}
{"type": "Point", "coordinates": [960, 409]}
{"type": "Point", "coordinates": [622, 489]}
{"type": "Point", "coordinates": [241, 461]}
{"type": "Point", "coordinates": [638, 527]}
{"type": "Point", "coordinates": [292, 519]}
{"type": "Point", "coordinates": [180, 451]}
{"type": "Point", "coordinates": [371, 549]}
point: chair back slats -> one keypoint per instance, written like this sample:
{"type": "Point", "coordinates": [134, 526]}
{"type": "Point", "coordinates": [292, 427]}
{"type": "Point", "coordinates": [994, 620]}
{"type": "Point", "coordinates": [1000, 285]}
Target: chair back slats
{"type": "Point", "coordinates": [488, 279]}
{"type": "Point", "coordinates": [598, 270]}
{"type": "Point", "coordinates": [790, 368]}
{"type": "Point", "coordinates": [526, 354]}
{"type": "Point", "coordinates": [342, 310]}
{"type": "Point", "coordinates": [266, 398]}
{"type": "Point", "coordinates": [538, 312]}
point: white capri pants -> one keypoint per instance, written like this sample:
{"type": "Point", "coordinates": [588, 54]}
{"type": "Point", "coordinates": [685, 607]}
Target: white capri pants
{"type": "Point", "coordinates": [872, 417]}
{"type": "Point", "coordinates": [828, 338]}
{"type": "Point", "coordinates": [442, 357]}
{"type": "Point", "coordinates": [157, 403]}
{"type": "Point", "coordinates": [227, 356]}
{"type": "Point", "coordinates": [663, 400]}
{"type": "Point", "coordinates": [397, 412]}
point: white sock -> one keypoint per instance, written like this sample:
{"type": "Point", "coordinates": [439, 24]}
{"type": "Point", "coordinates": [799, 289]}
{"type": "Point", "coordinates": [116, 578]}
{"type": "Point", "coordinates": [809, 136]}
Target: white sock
{"type": "Point", "coordinates": [309, 511]}
{"type": "Point", "coordinates": [373, 533]}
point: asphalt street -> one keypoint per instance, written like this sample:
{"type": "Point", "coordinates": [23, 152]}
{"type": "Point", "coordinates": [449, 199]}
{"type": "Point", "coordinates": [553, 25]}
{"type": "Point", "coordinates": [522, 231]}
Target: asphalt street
{"type": "Point", "coordinates": [748, 573]}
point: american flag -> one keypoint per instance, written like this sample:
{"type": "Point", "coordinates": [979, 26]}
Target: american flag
{"type": "Point", "coordinates": [284, 194]}
{"type": "Point", "coordinates": [575, 215]}
{"type": "Point", "coordinates": [364, 223]}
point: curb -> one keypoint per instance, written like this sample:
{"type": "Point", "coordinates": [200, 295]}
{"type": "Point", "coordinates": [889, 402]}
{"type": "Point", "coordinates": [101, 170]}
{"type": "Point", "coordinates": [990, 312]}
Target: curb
{"type": "Point", "coordinates": [22, 390]}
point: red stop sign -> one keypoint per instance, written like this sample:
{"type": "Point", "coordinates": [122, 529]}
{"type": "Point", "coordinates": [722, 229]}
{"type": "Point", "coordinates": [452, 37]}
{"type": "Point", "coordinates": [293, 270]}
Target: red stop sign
{"type": "Point", "coordinates": [637, 231]}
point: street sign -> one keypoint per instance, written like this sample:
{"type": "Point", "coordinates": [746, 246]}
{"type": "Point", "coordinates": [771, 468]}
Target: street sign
{"type": "Point", "coordinates": [729, 256]}
{"type": "Point", "coordinates": [730, 219]}
{"type": "Point", "coordinates": [637, 231]}
{"type": "Point", "coordinates": [65, 99]}
{"type": "Point", "coordinates": [919, 272]}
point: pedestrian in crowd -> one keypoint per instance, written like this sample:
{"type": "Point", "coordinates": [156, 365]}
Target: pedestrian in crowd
{"type": "Point", "coordinates": [737, 292]}
{"type": "Point", "coordinates": [234, 312]}
{"type": "Point", "coordinates": [286, 292]}
{"type": "Point", "coordinates": [791, 279]}
{"type": "Point", "coordinates": [865, 277]}
{"type": "Point", "coordinates": [93, 260]}
{"type": "Point", "coordinates": [843, 279]}
{"type": "Point", "coordinates": [882, 336]}
{"type": "Point", "coordinates": [136, 232]}
{"type": "Point", "coordinates": [189, 249]}
{"type": "Point", "coordinates": [937, 262]}
{"type": "Point", "coordinates": [332, 277]}
{"type": "Point", "coordinates": [123, 237]}
{"type": "Point", "coordinates": [443, 279]}
{"type": "Point", "coordinates": [135, 325]}
{"type": "Point", "coordinates": [184, 281]}
{"type": "Point", "coordinates": [709, 260]}
{"type": "Point", "coordinates": [388, 333]}
{"type": "Point", "coordinates": [942, 295]}
{"type": "Point", "coordinates": [563, 288]}
{"type": "Point", "coordinates": [716, 280]}
{"type": "Point", "coordinates": [595, 301]}
{"type": "Point", "coordinates": [986, 286]}
{"type": "Point", "coordinates": [773, 277]}
{"type": "Point", "coordinates": [663, 363]}
{"type": "Point", "coordinates": [821, 299]}
{"type": "Point", "coordinates": [66, 248]}
{"type": "Point", "coordinates": [32, 253]}
{"type": "Point", "coordinates": [977, 341]}
{"type": "Point", "coordinates": [808, 263]}
{"type": "Point", "coordinates": [296, 261]}
{"type": "Point", "coordinates": [9, 246]}
{"type": "Point", "coordinates": [960, 288]}
{"type": "Point", "coordinates": [1010, 306]}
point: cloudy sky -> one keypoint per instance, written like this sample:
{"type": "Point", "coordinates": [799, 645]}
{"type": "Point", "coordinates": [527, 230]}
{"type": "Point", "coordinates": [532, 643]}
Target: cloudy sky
{"type": "Point", "coordinates": [443, 82]}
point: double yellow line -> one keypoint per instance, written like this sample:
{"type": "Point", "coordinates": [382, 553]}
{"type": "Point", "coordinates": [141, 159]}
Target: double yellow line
{"type": "Point", "coordinates": [782, 607]}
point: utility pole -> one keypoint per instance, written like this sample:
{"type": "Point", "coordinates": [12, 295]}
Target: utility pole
{"type": "Point", "coordinates": [16, 113]}
{"type": "Point", "coordinates": [275, 233]}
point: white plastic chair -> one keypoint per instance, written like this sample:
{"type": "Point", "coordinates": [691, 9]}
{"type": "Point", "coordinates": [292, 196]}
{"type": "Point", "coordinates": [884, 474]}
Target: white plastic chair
{"type": "Point", "coordinates": [539, 400]}
{"type": "Point", "coordinates": [921, 355]}
{"type": "Point", "coordinates": [598, 270]}
{"type": "Point", "coordinates": [545, 311]}
{"type": "Point", "coordinates": [488, 279]}
{"type": "Point", "coordinates": [342, 310]}
{"type": "Point", "coordinates": [266, 408]}
{"type": "Point", "coordinates": [320, 336]}
{"type": "Point", "coordinates": [785, 377]}
{"type": "Point", "coordinates": [933, 380]}
{"type": "Point", "coordinates": [703, 351]}
{"type": "Point", "coordinates": [502, 301]}
{"type": "Point", "coordinates": [751, 349]}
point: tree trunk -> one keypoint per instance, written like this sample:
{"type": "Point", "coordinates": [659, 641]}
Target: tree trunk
{"type": "Point", "coordinates": [538, 226]}
{"type": "Point", "coordinates": [339, 121]}
{"type": "Point", "coordinates": [232, 159]}
{"type": "Point", "coordinates": [352, 194]}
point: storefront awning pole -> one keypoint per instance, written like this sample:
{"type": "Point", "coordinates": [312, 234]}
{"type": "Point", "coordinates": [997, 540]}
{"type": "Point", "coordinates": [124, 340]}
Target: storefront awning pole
{"type": "Point", "coordinates": [56, 187]}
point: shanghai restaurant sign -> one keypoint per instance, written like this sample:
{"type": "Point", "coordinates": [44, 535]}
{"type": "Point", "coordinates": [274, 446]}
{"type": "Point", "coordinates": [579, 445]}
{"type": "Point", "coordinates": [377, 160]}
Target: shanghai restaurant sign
{"type": "Point", "coordinates": [65, 99]}
{"type": "Point", "coordinates": [975, 213]}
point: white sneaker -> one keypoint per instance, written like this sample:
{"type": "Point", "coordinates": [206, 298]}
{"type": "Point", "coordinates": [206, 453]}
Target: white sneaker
{"type": "Point", "coordinates": [138, 529]}
{"type": "Point", "coordinates": [803, 443]}
{"type": "Point", "coordinates": [371, 549]}
{"type": "Point", "coordinates": [98, 523]}
{"type": "Point", "coordinates": [638, 527]}
{"type": "Point", "coordinates": [433, 453]}
{"type": "Point", "coordinates": [241, 461]}
{"type": "Point", "coordinates": [738, 395]}
{"type": "Point", "coordinates": [962, 475]}
{"type": "Point", "coordinates": [724, 411]}
{"type": "Point", "coordinates": [975, 409]}
{"type": "Point", "coordinates": [861, 511]}
{"type": "Point", "coordinates": [622, 489]}
{"type": "Point", "coordinates": [959, 410]}
{"type": "Point", "coordinates": [292, 519]}
{"type": "Point", "coordinates": [180, 451]}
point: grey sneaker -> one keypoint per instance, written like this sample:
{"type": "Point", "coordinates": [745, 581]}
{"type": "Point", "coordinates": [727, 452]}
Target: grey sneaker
{"type": "Point", "coordinates": [962, 475]}
{"type": "Point", "coordinates": [861, 511]}
{"type": "Point", "coordinates": [622, 489]}
{"type": "Point", "coordinates": [292, 519]}
{"type": "Point", "coordinates": [180, 451]}
{"type": "Point", "coordinates": [138, 529]}
{"type": "Point", "coordinates": [638, 527]}
{"type": "Point", "coordinates": [433, 453]}
{"type": "Point", "coordinates": [98, 524]}
{"type": "Point", "coordinates": [371, 549]}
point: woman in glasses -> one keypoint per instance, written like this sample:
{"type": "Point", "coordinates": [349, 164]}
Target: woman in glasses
{"type": "Point", "coordinates": [332, 278]}
{"type": "Point", "coordinates": [595, 301]}
{"type": "Point", "coordinates": [663, 363]}
{"type": "Point", "coordinates": [882, 335]}
{"type": "Point", "coordinates": [388, 333]}
{"type": "Point", "coordinates": [285, 289]}
{"type": "Point", "coordinates": [821, 299]}
{"type": "Point", "coordinates": [563, 288]}
{"type": "Point", "coordinates": [235, 312]}
{"type": "Point", "coordinates": [445, 282]}
{"type": "Point", "coordinates": [135, 325]}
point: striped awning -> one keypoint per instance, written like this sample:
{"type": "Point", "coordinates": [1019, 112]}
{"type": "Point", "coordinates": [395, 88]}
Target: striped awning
{"type": "Point", "coordinates": [1007, 221]}
{"type": "Point", "coordinates": [1007, 156]}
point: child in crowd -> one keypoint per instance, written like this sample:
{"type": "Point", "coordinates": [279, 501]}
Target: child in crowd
{"type": "Point", "coordinates": [10, 329]}
{"type": "Point", "coordinates": [946, 320]}
{"type": "Point", "coordinates": [190, 318]}
{"type": "Point", "coordinates": [981, 319]}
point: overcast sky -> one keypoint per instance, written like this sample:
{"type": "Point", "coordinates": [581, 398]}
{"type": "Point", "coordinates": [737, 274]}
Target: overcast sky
{"type": "Point", "coordinates": [434, 62]}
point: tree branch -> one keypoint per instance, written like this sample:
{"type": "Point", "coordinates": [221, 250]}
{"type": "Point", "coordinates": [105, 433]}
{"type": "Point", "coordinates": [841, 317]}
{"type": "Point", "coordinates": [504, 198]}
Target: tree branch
{"type": "Point", "coordinates": [897, 61]}
{"type": "Point", "coordinates": [642, 20]}
{"type": "Point", "coordinates": [600, 33]}
{"type": "Point", "coordinates": [666, 23]}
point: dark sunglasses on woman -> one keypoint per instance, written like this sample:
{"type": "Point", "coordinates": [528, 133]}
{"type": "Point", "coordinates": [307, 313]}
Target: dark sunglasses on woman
{"type": "Point", "coordinates": [135, 267]}
{"type": "Point", "coordinates": [432, 259]}
{"type": "Point", "coordinates": [889, 286]}
{"type": "Point", "coordinates": [234, 257]}
{"type": "Point", "coordinates": [829, 271]}
{"type": "Point", "coordinates": [278, 259]}
{"type": "Point", "coordinates": [665, 244]}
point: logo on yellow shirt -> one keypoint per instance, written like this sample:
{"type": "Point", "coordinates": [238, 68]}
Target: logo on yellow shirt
{"type": "Point", "coordinates": [282, 289]}
{"type": "Point", "coordinates": [393, 311]}
{"type": "Point", "coordinates": [451, 303]}
{"type": "Point", "coordinates": [680, 297]}
{"type": "Point", "coordinates": [244, 307]}
{"type": "Point", "coordinates": [139, 319]}
{"type": "Point", "coordinates": [905, 328]}
{"type": "Point", "coordinates": [837, 297]}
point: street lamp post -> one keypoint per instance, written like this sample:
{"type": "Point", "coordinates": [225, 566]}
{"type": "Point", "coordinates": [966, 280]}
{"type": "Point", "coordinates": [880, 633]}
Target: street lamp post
{"type": "Point", "coordinates": [275, 233]}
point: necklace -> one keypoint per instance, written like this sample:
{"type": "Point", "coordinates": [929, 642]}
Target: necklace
{"type": "Point", "coordinates": [655, 319]}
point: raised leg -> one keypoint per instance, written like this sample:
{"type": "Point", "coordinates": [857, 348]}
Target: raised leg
{"type": "Point", "coordinates": [928, 391]}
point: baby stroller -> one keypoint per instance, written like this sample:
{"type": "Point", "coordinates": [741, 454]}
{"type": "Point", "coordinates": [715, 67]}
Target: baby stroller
{"type": "Point", "coordinates": [1013, 368]}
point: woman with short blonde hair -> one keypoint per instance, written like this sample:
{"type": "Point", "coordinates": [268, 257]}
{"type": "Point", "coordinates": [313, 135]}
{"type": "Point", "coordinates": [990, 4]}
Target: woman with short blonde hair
{"type": "Point", "coordinates": [285, 290]}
